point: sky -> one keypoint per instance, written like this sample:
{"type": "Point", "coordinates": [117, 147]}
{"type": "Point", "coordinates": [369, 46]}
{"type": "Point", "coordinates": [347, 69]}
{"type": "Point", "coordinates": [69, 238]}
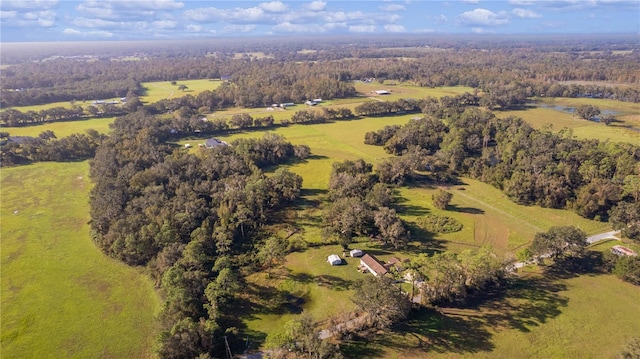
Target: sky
{"type": "Point", "coordinates": [91, 20]}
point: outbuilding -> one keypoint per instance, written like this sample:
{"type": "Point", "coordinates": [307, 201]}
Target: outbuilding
{"type": "Point", "coordinates": [334, 260]}
{"type": "Point", "coordinates": [356, 253]}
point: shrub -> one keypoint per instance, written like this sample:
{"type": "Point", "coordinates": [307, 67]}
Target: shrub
{"type": "Point", "coordinates": [439, 224]}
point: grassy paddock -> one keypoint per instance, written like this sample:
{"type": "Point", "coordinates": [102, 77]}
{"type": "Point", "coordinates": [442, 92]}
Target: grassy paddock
{"type": "Point", "coordinates": [589, 316]}
{"type": "Point", "coordinates": [628, 114]}
{"type": "Point", "coordinates": [159, 90]}
{"type": "Point", "coordinates": [61, 297]}
{"type": "Point", "coordinates": [489, 217]}
{"type": "Point", "coordinates": [408, 91]}
{"type": "Point", "coordinates": [65, 104]}
{"type": "Point", "coordinates": [63, 128]}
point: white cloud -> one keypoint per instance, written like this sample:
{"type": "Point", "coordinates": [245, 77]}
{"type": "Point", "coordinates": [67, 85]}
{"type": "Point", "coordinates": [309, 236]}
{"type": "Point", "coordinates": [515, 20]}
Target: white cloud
{"type": "Point", "coordinates": [74, 32]}
{"type": "Point", "coordinates": [28, 4]}
{"type": "Point", "coordinates": [394, 28]}
{"type": "Point", "coordinates": [234, 16]}
{"type": "Point", "coordinates": [483, 17]}
{"type": "Point", "coordinates": [143, 10]}
{"type": "Point", "coordinates": [194, 28]}
{"type": "Point", "coordinates": [239, 28]}
{"type": "Point", "coordinates": [424, 31]}
{"type": "Point", "coordinates": [525, 13]}
{"type": "Point", "coordinates": [43, 19]}
{"type": "Point", "coordinates": [274, 6]}
{"type": "Point", "coordinates": [164, 24]}
{"type": "Point", "coordinates": [392, 7]}
{"type": "Point", "coordinates": [521, 2]}
{"type": "Point", "coordinates": [7, 15]}
{"type": "Point", "coordinates": [299, 28]}
{"type": "Point", "coordinates": [481, 30]}
{"type": "Point", "coordinates": [316, 5]}
{"type": "Point", "coordinates": [362, 28]}
{"type": "Point", "coordinates": [438, 19]}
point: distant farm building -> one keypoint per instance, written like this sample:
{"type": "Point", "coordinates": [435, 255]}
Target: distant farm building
{"type": "Point", "coordinates": [334, 260]}
{"type": "Point", "coordinates": [214, 142]}
{"type": "Point", "coordinates": [382, 92]}
{"type": "Point", "coordinates": [356, 253]}
{"type": "Point", "coordinates": [623, 251]}
{"type": "Point", "coordinates": [373, 265]}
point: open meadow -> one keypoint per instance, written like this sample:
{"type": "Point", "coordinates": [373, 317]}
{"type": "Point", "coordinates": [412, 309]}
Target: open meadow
{"type": "Point", "coordinates": [62, 297]}
{"type": "Point", "coordinates": [550, 112]}
{"type": "Point", "coordinates": [160, 90]}
{"type": "Point", "coordinates": [63, 128]}
{"type": "Point", "coordinates": [586, 316]}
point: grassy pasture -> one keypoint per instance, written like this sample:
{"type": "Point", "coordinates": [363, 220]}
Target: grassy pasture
{"type": "Point", "coordinates": [627, 113]}
{"type": "Point", "coordinates": [61, 297]}
{"type": "Point", "coordinates": [588, 316]}
{"type": "Point", "coordinates": [159, 90]}
{"type": "Point", "coordinates": [408, 91]}
{"type": "Point", "coordinates": [65, 104]}
{"type": "Point", "coordinates": [62, 128]}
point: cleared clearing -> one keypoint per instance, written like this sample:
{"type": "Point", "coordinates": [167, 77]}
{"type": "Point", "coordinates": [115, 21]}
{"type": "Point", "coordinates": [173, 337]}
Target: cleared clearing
{"type": "Point", "coordinates": [61, 297]}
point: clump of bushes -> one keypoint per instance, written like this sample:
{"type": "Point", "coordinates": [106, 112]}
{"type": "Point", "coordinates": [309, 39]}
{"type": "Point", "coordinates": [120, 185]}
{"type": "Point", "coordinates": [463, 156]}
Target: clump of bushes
{"type": "Point", "coordinates": [439, 224]}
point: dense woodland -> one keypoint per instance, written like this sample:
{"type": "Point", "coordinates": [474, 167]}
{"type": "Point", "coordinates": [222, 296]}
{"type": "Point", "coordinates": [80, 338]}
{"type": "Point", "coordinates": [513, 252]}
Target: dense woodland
{"type": "Point", "coordinates": [200, 222]}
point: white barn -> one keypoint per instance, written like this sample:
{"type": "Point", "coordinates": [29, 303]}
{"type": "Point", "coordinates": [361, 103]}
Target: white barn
{"type": "Point", "coordinates": [334, 260]}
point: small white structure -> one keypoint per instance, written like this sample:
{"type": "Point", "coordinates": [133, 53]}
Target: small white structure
{"type": "Point", "coordinates": [334, 260]}
{"type": "Point", "coordinates": [356, 253]}
{"type": "Point", "coordinates": [382, 92]}
{"type": "Point", "coordinates": [187, 145]}
{"type": "Point", "coordinates": [623, 251]}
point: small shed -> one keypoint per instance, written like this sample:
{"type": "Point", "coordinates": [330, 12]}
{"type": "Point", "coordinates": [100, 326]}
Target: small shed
{"type": "Point", "coordinates": [334, 260]}
{"type": "Point", "coordinates": [214, 142]}
{"type": "Point", "coordinates": [356, 253]}
{"type": "Point", "coordinates": [382, 92]}
{"type": "Point", "coordinates": [623, 251]}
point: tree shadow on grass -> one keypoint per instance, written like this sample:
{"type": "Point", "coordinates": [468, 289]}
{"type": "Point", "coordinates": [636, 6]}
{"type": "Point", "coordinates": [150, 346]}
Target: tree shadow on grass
{"type": "Point", "coordinates": [528, 302]}
{"type": "Point", "coordinates": [590, 264]}
{"type": "Point", "coordinates": [333, 282]}
{"type": "Point", "coordinates": [444, 333]}
{"type": "Point", "coordinates": [359, 347]}
{"type": "Point", "coordinates": [469, 210]}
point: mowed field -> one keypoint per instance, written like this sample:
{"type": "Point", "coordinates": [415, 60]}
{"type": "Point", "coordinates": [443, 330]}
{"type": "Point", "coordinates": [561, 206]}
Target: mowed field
{"type": "Point", "coordinates": [587, 316]}
{"type": "Point", "coordinates": [627, 113]}
{"type": "Point", "coordinates": [160, 90]}
{"type": "Point", "coordinates": [61, 297]}
{"type": "Point", "coordinates": [63, 128]}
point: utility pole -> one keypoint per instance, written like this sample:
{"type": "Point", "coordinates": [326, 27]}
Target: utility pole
{"type": "Point", "coordinates": [226, 344]}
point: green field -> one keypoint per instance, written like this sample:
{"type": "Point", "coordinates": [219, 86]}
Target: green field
{"type": "Point", "coordinates": [160, 90]}
{"type": "Point", "coordinates": [65, 104]}
{"type": "Point", "coordinates": [409, 91]}
{"type": "Point", "coordinates": [61, 297]}
{"type": "Point", "coordinates": [589, 316]}
{"type": "Point", "coordinates": [627, 113]}
{"type": "Point", "coordinates": [63, 128]}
